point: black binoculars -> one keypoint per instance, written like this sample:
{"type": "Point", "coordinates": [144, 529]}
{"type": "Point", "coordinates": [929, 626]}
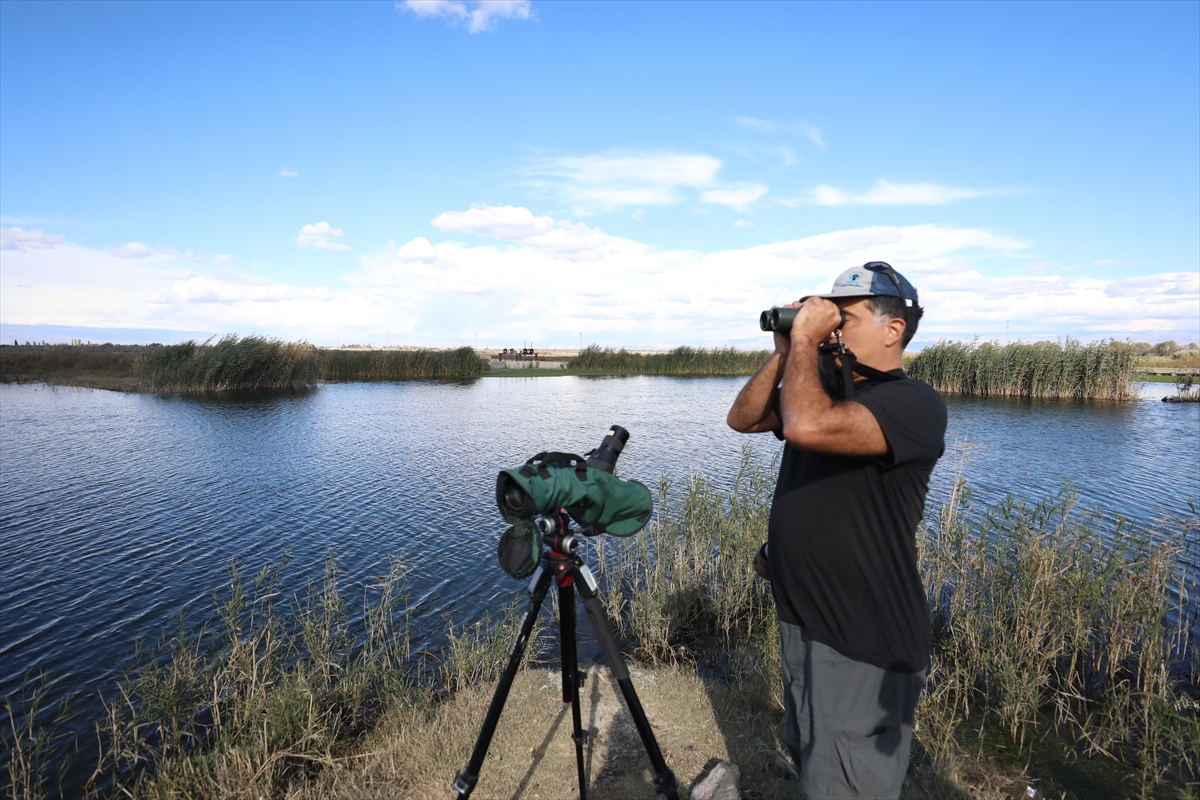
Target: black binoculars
{"type": "Point", "coordinates": [780, 319]}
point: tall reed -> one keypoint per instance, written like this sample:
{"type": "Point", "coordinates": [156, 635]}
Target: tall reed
{"type": "Point", "coordinates": [396, 365]}
{"type": "Point", "coordinates": [1046, 614]}
{"type": "Point", "coordinates": [1102, 370]}
{"type": "Point", "coordinates": [680, 361]}
{"type": "Point", "coordinates": [232, 364]}
{"type": "Point", "coordinates": [268, 694]}
{"type": "Point", "coordinates": [684, 589]}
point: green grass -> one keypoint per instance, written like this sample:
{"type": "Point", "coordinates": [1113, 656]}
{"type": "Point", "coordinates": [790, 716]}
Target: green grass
{"type": "Point", "coordinates": [680, 361]}
{"type": "Point", "coordinates": [397, 365]}
{"type": "Point", "coordinates": [1099, 371]}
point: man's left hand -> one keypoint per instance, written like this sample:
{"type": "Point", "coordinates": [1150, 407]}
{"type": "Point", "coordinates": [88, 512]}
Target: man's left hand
{"type": "Point", "coordinates": [818, 318]}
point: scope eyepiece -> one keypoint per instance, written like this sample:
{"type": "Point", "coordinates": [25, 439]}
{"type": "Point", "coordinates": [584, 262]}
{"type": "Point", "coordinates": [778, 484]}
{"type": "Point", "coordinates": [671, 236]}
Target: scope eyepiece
{"type": "Point", "coordinates": [605, 456]}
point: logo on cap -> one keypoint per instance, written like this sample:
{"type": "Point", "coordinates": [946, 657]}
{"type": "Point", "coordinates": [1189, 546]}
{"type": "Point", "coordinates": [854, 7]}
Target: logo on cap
{"type": "Point", "coordinates": [854, 278]}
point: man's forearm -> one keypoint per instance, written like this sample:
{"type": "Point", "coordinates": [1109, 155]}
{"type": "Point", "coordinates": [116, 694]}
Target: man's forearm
{"type": "Point", "coordinates": [752, 411]}
{"type": "Point", "coordinates": [812, 420]}
{"type": "Point", "coordinates": [802, 397]}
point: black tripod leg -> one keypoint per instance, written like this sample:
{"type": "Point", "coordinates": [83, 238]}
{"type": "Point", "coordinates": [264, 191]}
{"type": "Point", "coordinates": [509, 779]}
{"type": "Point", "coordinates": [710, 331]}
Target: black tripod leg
{"type": "Point", "coordinates": [664, 778]}
{"type": "Point", "coordinates": [570, 674]}
{"type": "Point", "coordinates": [464, 781]}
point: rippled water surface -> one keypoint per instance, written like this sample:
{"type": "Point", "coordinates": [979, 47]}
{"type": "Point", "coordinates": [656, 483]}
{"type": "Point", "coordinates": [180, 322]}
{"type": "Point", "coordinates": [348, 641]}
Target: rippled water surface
{"type": "Point", "coordinates": [117, 510]}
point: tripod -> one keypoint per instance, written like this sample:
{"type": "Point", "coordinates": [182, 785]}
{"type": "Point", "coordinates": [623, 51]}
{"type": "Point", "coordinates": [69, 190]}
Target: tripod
{"type": "Point", "coordinates": [561, 565]}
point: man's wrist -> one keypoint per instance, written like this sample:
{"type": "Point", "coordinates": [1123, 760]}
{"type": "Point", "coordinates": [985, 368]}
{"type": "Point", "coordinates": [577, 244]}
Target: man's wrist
{"type": "Point", "coordinates": [802, 340]}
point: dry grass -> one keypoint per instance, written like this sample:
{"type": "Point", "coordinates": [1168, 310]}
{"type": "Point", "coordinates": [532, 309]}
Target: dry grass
{"type": "Point", "coordinates": [1184, 358]}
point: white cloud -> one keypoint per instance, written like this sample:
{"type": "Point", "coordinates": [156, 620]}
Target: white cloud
{"type": "Point", "coordinates": [737, 197]}
{"type": "Point", "coordinates": [503, 222]}
{"type": "Point", "coordinates": [140, 250]}
{"type": "Point", "coordinates": [531, 280]}
{"type": "Point", "coordinates": [616, 179]}
{"type": "Point", "coordinates": [318, 237]}
{"type": "Point", "coordinates": [288, 173]}
{"type": "Point", "coordinates": [885, 193]}
{"type": "Point", "coordinates": [19, 239]}
{"type": "Point", "coordinates": [1156, 288]}
{"type": "Point", "coordinates": [1108, 262]}
{"type": "Point", "coordinates": [221, 260]}
{"type": "Point", "coordinates": [743, 223]}
{"type": "Point", "coordinates": [478, 16]}
{"type": "Point", "coordinates": [807, 129]}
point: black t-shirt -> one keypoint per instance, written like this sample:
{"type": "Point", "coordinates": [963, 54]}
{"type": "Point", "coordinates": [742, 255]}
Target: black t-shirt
{"type": "Point", "coordinates": [843, 533]}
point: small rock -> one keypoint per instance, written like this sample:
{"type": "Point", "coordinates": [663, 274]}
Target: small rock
{"type": "Point", "coordinates": [721, 783]}
{"type": "Point", "coordinates": [783, 768]}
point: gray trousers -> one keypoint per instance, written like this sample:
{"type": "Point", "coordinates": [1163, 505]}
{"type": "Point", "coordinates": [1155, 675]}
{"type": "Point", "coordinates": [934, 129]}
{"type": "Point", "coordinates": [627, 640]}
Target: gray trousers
{"type": "Point", "coordinates": [847, 724]}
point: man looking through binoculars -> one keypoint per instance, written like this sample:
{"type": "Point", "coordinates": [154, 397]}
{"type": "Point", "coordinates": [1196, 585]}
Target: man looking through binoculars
{"type": "Point", "coordinates": [861, 441]}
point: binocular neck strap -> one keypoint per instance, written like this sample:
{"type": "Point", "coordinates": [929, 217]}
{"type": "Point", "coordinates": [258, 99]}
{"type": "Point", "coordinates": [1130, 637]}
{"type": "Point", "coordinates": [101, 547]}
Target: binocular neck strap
{"type": "Point", "coordinates": [850, 365]}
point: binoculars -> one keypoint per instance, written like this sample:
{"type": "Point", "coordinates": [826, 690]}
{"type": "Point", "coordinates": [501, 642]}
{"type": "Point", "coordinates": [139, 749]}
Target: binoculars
{"type": "Point", "coordinates": [781, 319]}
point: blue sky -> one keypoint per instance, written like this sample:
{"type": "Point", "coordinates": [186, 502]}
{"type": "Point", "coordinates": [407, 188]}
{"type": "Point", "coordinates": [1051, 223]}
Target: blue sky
{"type": "Point", "coordinates": [628, 174]}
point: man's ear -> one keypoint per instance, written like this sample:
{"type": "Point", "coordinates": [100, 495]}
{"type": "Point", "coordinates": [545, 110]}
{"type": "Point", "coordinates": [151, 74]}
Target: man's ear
{"type": "Point", "coordinates": [893, 334]}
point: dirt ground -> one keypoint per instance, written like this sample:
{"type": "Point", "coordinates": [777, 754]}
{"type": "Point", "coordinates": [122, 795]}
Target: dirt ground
{"type": "Point", "coordinates": [415, 753]}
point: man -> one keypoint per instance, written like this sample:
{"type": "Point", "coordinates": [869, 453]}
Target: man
{"type": "Point", "coordinates": [853, 616]}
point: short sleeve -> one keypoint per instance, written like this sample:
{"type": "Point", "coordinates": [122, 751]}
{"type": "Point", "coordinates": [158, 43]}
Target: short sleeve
{"type": "Point", "coordinates": [912, 417]}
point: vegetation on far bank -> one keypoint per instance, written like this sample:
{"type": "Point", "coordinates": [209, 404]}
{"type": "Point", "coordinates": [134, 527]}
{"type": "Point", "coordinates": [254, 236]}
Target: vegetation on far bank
{"type": "Point", "coordinates": [1059, 660]}
{"type": "Point", "coordinates": [1103, 370]}
{"type": "Point", "coordinates": [395, 365]}
{"type": "Point", "coordinates": [230, 364]}
{"type": "Point", "coordinates": [680, 361]}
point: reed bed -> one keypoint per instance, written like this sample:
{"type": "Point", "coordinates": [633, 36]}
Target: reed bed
{"type": "Point", "coordinates": [232, 364]}
{"type": "Point", "coordinates": [680, 361]}
{"type": "Point", "coordinates": [1048, 619]}
{"type": "Point", "coordinates": [1098, 371]}
{"type": "Point", "coordinates": [398, 365]}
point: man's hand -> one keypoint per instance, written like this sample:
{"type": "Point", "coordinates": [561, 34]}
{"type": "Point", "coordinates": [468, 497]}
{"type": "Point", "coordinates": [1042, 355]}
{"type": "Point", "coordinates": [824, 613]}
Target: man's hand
{"type": "Point", "coordinates": [818, 318]}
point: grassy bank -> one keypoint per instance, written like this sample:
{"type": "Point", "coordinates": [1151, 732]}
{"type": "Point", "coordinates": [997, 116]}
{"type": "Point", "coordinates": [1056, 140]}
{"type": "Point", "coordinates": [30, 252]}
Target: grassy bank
{"type": "Point", "coordinates": [1098, 371]}
{"type": "Point", "coordinates": [397, 365]}
{"type": "Point", "coordinates": [680, 361]}
{"type": "Point", "coordinates": [107, 366]}
{"type": "Point", "coordinates": [1055, 665]}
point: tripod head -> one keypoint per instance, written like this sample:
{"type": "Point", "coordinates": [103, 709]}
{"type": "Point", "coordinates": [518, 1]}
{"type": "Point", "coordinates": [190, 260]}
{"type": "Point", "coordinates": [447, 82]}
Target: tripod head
{"type": "Point", "coordinates": [557, 534]}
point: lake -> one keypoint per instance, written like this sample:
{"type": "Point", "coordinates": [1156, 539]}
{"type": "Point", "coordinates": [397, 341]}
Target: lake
{"type": "Point", "coordinates": [118, 510]}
